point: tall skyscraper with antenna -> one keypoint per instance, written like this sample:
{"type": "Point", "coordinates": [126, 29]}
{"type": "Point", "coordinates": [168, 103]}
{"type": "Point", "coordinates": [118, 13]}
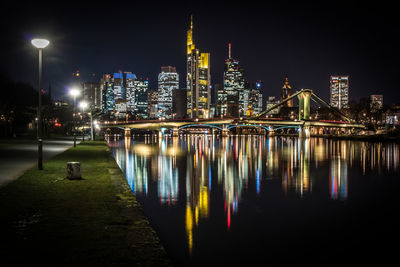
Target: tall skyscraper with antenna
{"type": "Point", "coordinates": [198, 79]}
{"type": "Point", "coordinates": [233, 96]}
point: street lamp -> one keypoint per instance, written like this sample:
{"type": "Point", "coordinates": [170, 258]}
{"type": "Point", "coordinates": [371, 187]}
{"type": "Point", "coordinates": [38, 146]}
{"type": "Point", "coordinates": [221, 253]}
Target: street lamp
{"type": "Point", "coordinates": [74, 92]}
{"type": "Point", "coordinates": [40, 44]}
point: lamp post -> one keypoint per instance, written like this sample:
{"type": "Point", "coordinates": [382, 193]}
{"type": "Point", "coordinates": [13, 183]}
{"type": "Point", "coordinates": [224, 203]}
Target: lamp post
{"type": "Point", "coordinates": [74, 92]}
{"type": "Point", "coordinates": [83, 105]}
{"type": "Point", "coordinates": [40, 44]}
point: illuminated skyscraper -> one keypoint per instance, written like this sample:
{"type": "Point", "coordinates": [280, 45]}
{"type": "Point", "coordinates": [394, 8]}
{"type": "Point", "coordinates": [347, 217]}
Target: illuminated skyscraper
{"type": "Point", "coordinates": [124, 93]}
{"type": "Point", "coordinates": [287, 92]}
{"type": "Point", "coordinates": [339, 87]}
{"type": "Point", "coordinates": [220, 100]}
{"type": "Point", "coordinates": [141, 87]}
{"type": "Point", "coordinates": [255, 101]}
{"type": "Point", "coordinates": [198, 79]}
{"type": "Point", "coordinates": [129, 84]}
{"type": "Point", "coordinates": [118, 83]}
{"type": "Point", "coordinates": [107, 93]}
{"type": "Point", "coordinates": [152, 100]}
{"type": "Point", "coordinates": [234, 92]}
{"type": "Point", "coordinates": [168, 80]}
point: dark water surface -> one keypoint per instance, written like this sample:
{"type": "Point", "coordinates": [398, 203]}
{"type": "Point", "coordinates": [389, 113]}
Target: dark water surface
{"type": "Point", "coordinates": [253, 200]}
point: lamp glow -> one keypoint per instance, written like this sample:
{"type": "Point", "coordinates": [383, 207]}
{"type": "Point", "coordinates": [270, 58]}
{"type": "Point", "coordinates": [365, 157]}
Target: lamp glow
{"type": "Point", "coordinates": [74, 92]}
{"type": "Point", "coordinates": [40, 43]}
{"type": "Point", "coordinates": [83, 105]}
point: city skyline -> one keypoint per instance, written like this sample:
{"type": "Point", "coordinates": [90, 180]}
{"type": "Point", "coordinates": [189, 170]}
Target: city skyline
{"type": "Point", "coordinates": [298, 41]}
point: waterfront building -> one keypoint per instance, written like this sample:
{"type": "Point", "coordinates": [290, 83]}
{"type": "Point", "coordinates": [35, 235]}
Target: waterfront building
{"type": "Point", "coordinates": [198, 79]}
{"type": "Point", "coordinates": [286, 92]}
{"type": "Point", "coordinates": [376, 102]}
{"type": "Point", "coordinates": [152, 100]}
{"type": "Point", "coordinates": [168, 80]}
{"type": "Point", "coordinates": [271, 101]}
{"type": "Point", "coordinates": [392, 115]}
{"type": "Point", "coordinates": [339, 91]}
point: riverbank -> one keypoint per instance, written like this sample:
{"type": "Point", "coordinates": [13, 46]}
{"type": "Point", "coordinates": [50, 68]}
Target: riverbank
{"type": "Point", "coordinates": [96, 221]}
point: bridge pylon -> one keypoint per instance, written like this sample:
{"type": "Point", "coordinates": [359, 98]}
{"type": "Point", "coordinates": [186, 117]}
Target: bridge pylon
{"type": "Point", "coordinates": [304, 104]}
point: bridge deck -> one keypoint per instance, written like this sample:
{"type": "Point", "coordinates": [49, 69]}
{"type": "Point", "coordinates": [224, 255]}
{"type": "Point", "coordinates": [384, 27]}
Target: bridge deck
{"type": "Point", "coordinates": [157, 124]}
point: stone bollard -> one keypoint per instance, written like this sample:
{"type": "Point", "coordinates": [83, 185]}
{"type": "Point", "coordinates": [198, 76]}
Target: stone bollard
{"type": "Point", "coordinates": [74, 170]}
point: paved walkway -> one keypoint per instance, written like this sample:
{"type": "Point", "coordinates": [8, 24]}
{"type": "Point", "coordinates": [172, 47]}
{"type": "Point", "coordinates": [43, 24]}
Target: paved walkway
{"type": "Point", "coordinates": [18, 157]}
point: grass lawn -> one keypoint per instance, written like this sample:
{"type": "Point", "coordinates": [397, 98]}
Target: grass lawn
{"type": "Point", "coordinates": [48, 219]}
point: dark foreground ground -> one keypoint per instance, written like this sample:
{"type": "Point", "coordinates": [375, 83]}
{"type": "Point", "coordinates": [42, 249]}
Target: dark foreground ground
{"type": "Point", "coordinates": [47, 219]}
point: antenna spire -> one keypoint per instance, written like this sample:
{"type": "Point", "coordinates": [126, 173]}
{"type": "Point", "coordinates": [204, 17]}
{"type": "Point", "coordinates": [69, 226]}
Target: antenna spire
{"type": "Point", "coordinates": [229, 50]}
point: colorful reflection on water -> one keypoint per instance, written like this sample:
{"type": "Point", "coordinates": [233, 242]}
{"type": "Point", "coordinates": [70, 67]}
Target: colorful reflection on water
{"type": "Point", "coordinates": [188, 183]}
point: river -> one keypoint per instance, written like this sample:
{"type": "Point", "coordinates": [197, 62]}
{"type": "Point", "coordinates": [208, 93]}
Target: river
{"type": "Point", "coordinates": [255, 200]}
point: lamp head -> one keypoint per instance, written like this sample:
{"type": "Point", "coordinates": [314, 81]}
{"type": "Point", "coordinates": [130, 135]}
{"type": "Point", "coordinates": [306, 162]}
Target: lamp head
{"type": "Point", "coordinates": [83, 104]}
{"type": "Point", "coordinates": [74, 92]}
{"type": "Point", "coordinates": [40, 43]}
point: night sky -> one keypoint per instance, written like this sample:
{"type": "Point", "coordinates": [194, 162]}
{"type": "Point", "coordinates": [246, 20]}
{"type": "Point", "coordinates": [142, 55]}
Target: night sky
{"type": "Point", "coordinates": [308, 42]}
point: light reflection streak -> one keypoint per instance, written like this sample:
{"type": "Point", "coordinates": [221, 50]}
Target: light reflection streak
{"type": "Point", "coordinates": [235, 163]}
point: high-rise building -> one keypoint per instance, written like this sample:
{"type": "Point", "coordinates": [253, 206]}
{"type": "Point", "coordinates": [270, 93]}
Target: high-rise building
{"type": "Point", "coordinates": [255, 101]}
{"type": "Point", "coordinates": [118, 85]}
{"type": "Point", "coordinates": [152, 100]}
{"type": "Point", "coordinates": [198, 79]}
{"type": "Point", "coordinates": [141, 87]}
{"type": "Point", "coordinates": [168, 80]}
{"type": "Point", "coordinates": [107, 93]}
{"type": "Point", "coordinates": [124, 93]}
{"type": "Point", "coordinates": [129, 84]}
{"type": "Point", "coordinates": [91, 94]}
{"type": "Point", "coordinates": [339, 91]}
{"type": "Point", "coordinates": [220, 100]}
{"type": "Point", "coordinates": [233, 97]}
{"type": "Point", "coordinates": [286, 93]}
{"type": "Point", "coordinates": [376, 102]}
